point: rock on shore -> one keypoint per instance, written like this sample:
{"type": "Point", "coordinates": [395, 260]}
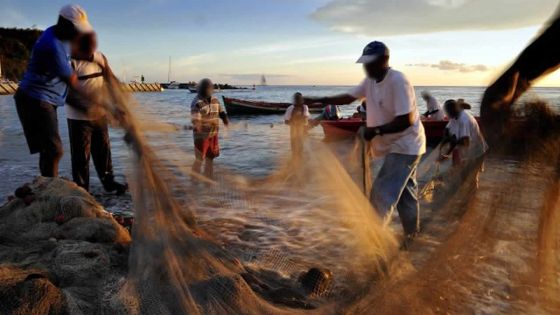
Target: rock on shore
{"type": "Point", "coordinates": [60, 251]}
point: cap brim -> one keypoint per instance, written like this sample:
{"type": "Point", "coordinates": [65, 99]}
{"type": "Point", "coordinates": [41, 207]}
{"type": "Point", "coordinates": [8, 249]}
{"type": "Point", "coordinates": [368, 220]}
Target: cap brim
{"type": "Point", "coordinates": [84, 27]}
{"type": "Point", "coordinates": [367, 58]}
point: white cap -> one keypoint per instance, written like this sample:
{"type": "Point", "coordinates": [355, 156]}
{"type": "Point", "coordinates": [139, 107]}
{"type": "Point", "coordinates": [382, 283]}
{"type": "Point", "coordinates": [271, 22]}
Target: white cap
{"type": "Point", "coordinates": [78, 16]}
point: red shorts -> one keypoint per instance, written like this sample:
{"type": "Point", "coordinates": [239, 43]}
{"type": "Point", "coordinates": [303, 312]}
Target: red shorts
{"type": "Point", "coordinates": [206, 148]}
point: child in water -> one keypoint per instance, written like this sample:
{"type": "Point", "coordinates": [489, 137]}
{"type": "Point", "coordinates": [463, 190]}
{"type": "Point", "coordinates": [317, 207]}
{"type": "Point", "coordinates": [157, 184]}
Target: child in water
{"type": "Point", "coordinates": [297, 116]}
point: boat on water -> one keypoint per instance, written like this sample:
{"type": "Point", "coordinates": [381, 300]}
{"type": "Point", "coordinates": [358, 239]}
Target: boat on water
{"type": "Point", "coordinates": [348, 127]}
{"type": "Point", "coordinates": [173, 85]}
{"type": "Point", "coordinates": [245, 107]}
{"type": "Point", "coordinates": [193, 89]}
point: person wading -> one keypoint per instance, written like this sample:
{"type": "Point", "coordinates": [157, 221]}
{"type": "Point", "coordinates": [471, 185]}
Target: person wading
{"type": "Point", "coordinates": [206, 112]}
{"type": "Point", "coordinates": [45, 85]}
{"type": "Point", "coordinates": [297, 116]}
{"type": "Point", "coordinates": [87, 120]}
{"type": "Point", "coordinates": [394, 127]}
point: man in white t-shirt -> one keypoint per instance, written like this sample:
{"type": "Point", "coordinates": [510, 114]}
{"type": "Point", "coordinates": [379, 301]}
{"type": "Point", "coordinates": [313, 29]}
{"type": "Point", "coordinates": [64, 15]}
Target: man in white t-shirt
{"type": "Point", "coordinates": [87, 120]}
{"type": "Point", "coordinates": [463, 135]}
{"type": "Point", "coordinates": [434, 112]}
{"type": "Point", "coordinates": [394, 128]}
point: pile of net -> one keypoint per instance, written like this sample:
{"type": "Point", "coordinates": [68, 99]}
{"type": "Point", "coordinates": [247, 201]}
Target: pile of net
{"type": "Point", "coordinates": [61, 251]}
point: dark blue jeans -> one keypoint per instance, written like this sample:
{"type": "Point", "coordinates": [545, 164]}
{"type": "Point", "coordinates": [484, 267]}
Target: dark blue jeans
{"type": "Point", "coordinates": [396, 187]}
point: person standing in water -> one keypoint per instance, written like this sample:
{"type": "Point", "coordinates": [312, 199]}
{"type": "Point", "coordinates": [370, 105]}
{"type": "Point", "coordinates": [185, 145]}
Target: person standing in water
{"type": "Point", "coordinates": [297, 116]}
{"type": "Point", "coordinates": [396, 133]}
{"type": "Point", "coordinates": [87, 120]}
{"type": "Point", "coordinates": [44, 86]}
{"type": "Point", "coordinates": [206, 112]}
{"type": "Point", "coordinates": [434, 112]}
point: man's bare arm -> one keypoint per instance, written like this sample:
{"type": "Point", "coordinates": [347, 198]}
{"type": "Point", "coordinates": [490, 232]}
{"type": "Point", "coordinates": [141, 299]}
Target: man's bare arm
{"type": "Point", "coordinates": [400, 123]}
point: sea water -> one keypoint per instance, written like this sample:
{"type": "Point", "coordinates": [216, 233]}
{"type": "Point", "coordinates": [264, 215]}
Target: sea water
{"type": "Point", "coordinates": [252, 148]}
{"type": "Point", "coordinates": [296, 231]}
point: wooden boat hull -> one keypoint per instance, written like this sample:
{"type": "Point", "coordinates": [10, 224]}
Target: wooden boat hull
{"type": "Point", "coordinates": [347, 128]}
{"type": "Point", "coordinates": [243, 107]}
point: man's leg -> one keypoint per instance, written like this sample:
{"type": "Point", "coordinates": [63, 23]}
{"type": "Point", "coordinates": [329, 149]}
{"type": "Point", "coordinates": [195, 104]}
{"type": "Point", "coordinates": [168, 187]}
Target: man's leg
{"type": "Point", "coordinates": [392, 180]}
{"type": "Point", "coordinates": [40, 126]}
{"type": "Point", "coordinates": [80, 134]}
{"type": "Point", "coordinates": [209, 167]}
{"type": "Point", "coordinates": [101, 152]}
{"type": "Point", "coordinates": [212, 152]}
{"type": "Point", "coordinates": [200, 148]}
{"type": "Point", "coordinates": [51, 151]}
{"type": "Point", "coordinates": [408, 205]}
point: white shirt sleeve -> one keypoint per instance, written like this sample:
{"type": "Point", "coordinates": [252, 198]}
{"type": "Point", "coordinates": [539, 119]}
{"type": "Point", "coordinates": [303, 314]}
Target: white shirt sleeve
{"type": "Point", "coordinates": [99, 58]}
{"type": "Point", "coordinates": [463, 127]}
{"type": "Point", "coordinates": [306, 111]}
{"type": "Point", "coordinates": [359, 91]}
{"type": "Point", "coordinates": [288, 113]}
{"type": "Point", "coordinates": [403, 96]}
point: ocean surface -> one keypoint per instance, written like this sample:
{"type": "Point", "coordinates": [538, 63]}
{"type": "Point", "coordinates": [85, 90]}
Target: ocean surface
{"type": "Point", "coordinates": [251, 147]}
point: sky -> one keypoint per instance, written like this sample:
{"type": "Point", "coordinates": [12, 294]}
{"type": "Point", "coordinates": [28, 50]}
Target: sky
{"type": "Point", "coordinates": [316, 42]}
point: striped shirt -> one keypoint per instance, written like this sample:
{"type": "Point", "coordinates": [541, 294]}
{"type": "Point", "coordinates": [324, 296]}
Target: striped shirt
{"type": "Point", "coordinates": [207, 115]}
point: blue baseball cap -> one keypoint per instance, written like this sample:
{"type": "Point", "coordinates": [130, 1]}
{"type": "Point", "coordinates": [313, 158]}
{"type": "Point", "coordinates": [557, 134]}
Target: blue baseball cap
{"type": "Point", "coordinates": [373, 51]}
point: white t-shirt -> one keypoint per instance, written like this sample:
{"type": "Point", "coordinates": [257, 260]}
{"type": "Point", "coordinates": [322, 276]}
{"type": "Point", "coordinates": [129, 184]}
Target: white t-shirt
{"type": "Point", "coordinates": [466, 126]}
{"type": "Point", "coordinates": [385, 100]}
{"type": "Point", "coordinates": [290, 110]}
{"type": "Point", "coordinates": [432, 105]}
{"type": "Point", "coordinates": [90, 80]}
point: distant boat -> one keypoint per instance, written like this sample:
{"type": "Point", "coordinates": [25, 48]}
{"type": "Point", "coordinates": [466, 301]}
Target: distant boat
{"type": "Point", "coordinates": [263, 80]}
{"type": "Point", "coordinates": [193, 89]}
{"type": "Point", "coordinates": [244, 107]}
{"type": "Point", "coordinates": [173, 85]}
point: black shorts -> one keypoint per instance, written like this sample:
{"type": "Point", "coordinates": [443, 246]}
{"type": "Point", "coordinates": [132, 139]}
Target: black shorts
{"type": "Point", "coordinates": [39, 122]}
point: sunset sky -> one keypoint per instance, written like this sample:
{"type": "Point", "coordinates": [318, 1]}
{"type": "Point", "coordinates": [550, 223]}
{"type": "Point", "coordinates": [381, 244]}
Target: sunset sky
{"type": "Point", "coordinates": [435, 42]}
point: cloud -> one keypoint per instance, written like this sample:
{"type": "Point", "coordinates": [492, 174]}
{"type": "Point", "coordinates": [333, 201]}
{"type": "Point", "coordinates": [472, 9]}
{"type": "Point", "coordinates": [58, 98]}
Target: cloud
{"type": "Point", "coordinates": [287, 46]}
{"type": "Point", "coordinates": [447, 65]}
{"type": "Point", "coordinates": [400, 17]}
{"type": "Point", "coordinates": [322, 59]}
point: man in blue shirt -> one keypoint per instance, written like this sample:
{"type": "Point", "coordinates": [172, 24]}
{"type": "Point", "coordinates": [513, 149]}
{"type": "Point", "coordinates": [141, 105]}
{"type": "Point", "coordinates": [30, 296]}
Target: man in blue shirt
{"type": "Point", "coordinates": [45, 85]}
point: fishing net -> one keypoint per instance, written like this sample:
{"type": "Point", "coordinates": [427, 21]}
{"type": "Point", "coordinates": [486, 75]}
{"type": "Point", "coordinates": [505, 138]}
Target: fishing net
{"type": "Point", "coordinates": [219, 246]}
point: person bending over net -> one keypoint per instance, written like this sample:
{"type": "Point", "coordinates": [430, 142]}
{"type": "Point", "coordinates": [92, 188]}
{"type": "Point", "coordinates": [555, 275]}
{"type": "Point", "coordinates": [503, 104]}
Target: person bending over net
{"type": "Point", "coordinates": [87, 120]}
{"type": "Point", "coordinates": [361, 111]}
{"type": "Point", "coordinates": [297, 116]}
{"type": "Point", "coordinates": [434, 112]}
{"type": "Point", "coordinates": [463, 142]}
{"type": "Point", "coordinates": [330, 112]}
{"type": "Point", "coordinates": [206, 112]}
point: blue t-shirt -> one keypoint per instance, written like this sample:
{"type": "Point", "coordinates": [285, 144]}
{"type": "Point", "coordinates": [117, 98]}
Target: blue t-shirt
{"type": "Point", "coordinates": [49, 64]}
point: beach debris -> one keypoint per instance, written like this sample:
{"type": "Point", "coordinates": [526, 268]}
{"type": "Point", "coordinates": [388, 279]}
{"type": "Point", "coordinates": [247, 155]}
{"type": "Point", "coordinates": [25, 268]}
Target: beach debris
{"type": "Point", "coordinates": [317, 281]}
{"type": "Point", "coordinates": [124, 218]}
{"type": "Point", "coordinates": [25, 193]}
